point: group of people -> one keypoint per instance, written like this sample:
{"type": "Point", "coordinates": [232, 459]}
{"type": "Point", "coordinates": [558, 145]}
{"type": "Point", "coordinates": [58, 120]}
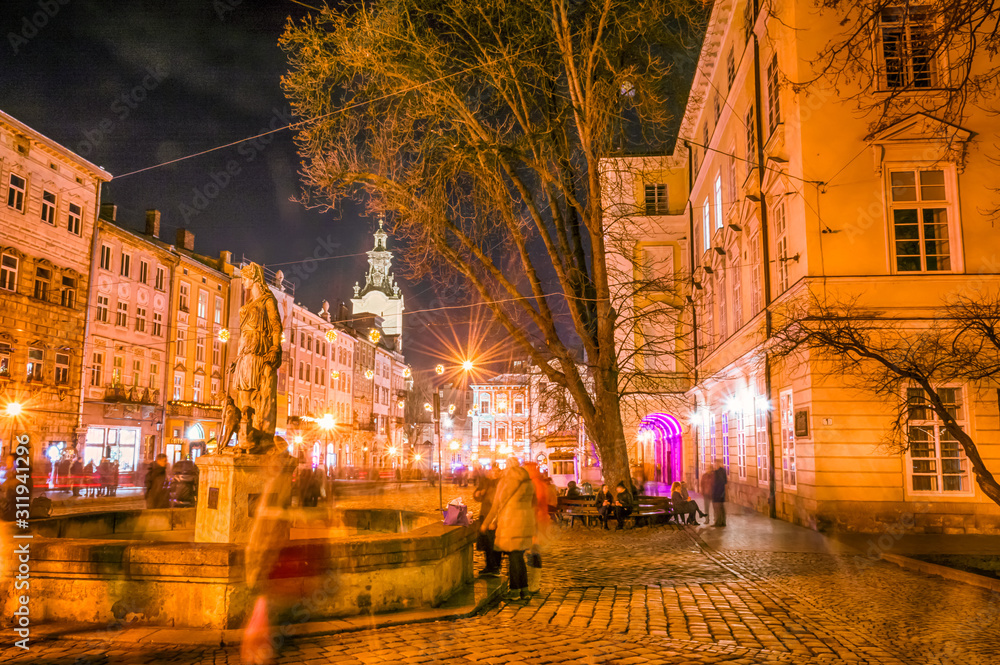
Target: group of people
{"type": "Point", "coordinates": [618, 504]}
{"type": "Point", "coordinates": [69, 474]}
{"type": "Point", "coordinates": [516, 508]}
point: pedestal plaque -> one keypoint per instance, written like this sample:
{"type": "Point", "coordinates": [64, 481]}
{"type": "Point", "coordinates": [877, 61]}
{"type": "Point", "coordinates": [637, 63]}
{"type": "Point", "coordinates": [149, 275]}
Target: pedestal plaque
{"type": "Point", "coordinates": [228, 489]}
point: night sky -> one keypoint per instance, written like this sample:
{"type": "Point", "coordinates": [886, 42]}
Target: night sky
{"type": "Point", "coordinates": [129, 85]}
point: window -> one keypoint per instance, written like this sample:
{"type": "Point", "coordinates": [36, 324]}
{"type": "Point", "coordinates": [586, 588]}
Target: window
{"type": "Point", "coordinates": [302, 367]}
{"type": "Point", "coordinates": [718, 200]}
{"type": "Point", "coordinates": [154, 378]}
{"type": "Point", "coordinates": [183, 297]}
{"type": "Point", "coordinates": [121, 318]}
{"type": "Point", "coordinates": [706, 224]}
{"type": "Point", "coordinates": [140, 319]}
{"type": "Point", "coordinates": [143, 272]}
{"type": "Point", "coordinates": [125, 267]}
{"type": "Point", "coordinates": [755, 268]}
{"type": "Point", "coordinates": [316, 375]}
{"type": "Point", "coordinates": [15, 192]}
{"type": "Point", "coordinates": [708, 324]}
{"type": "Point", "coordinates": [716, 107]}
{"type": "Point", "coordinates": [760, 439]}
{"type": "Point", "coordinates": [501, 432]}
{"type": "Point", "coordinates": [178, 385]}
{"type": "Point", "coordinates": [787, 411]}
{"type": "Point", "coordinates": [780, 245]}
{"type": "Point", "coordinates": [202, 304]}
{"type": "Point", "coordinates": [730, 69]}
{"type": "Point", "coordinates": [656, 199]}
{"type": "Point", "coordinates": [102, 309]}
{"type": "Point", "coordinates": [218, 310]}
{"type": "Point", "coordinates": [736, 276]}
{"type": "Point", "coordinates": [199, 350]}
{"type": "Point", "coordinates": [937, 462]}
{"type": "Point", "coordinates": [308, 373]}
{"type": "Point", "coordinates": [62, 368]}
{"type": "Point", "coordinates": [773, 95]}
{"type": "Point", "coordinates": [733, 191]}
{"type": "Point", "coordinates": [105, 257]}
{"type": "Point", "coordinates": [68, 295]}
{"type": "Point", "coordinates": [518, 405]}
{"type": "Point", "coordinates": [751, 125]}
{"type": "Point", "coordinates": [518, 432]}
{"type": "Point", "coordinates": [725, 440]}
{"type": "Point", "coordinates": [723, 300]}
{"type": "Point", "coordinates": [4, 359]}
{"type": "Point", "coordinates": [136, 372]}
{"type": "Point", "coordinates": [73, 219]}
{"type": "Point", "coordinates": [181, 343]}
{"type": "Point", "coordinates": [215, 387]}
{"type": "Point", "coordinates": [741, 443]}
{"type": "Point", "coordinates": [704, 140]}
{"type": "Point", "coordinates": [920, 221]}
{"type": "Point", "coordinates": [197, 389]}
{"type": "Point", "coordinates": [42, 277]}
{"type": "Point", "coordinates": [117, 370]}
{"type": "Point", "coordinates": [711, 437]}
{"type": "Point", "coordinates": [216, 353]}
{"type": "Point", "coordinates": [35, 364]}
{"type": "Point", "coordinates": [907, 50]}
{"type": "Point", "coordinates": [484, 404]}
{"type": "Point", "coordinates": [8, 272]}
{"type": "Point", "coordinates": [157, 324]}
{"type": "Point", "coordinates": [97, 369]}
{"type": "Point", "coordinates": [703, 442]}
{"type": "Point", "coordinates": [160, 278]}
{"type": "Point", "coordinates": [48, 207]}
{"type": "Point", "coordinates": [484, 433]}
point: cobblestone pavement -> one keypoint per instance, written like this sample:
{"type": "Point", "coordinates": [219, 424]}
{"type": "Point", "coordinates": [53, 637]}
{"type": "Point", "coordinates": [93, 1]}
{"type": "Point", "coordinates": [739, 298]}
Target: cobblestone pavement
{"type": "Point", "coordinates": [652, 595]}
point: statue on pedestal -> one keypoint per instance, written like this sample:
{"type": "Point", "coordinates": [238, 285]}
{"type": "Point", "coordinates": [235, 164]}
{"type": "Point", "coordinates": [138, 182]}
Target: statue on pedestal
{"type": "Point", "coordinates": [254, 375]}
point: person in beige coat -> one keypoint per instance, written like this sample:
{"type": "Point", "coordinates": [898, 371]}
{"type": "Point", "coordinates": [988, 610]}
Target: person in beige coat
{"type": "Point", "coordinates": [513, 514]}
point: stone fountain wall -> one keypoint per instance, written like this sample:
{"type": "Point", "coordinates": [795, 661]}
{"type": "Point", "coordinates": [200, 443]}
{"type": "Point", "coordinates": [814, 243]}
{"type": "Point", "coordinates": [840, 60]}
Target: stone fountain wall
{"type": "Point", "coordinates": [104, 582]}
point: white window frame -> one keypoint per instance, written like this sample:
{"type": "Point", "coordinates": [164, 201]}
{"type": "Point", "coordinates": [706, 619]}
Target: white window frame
{"type": "Point", "coordinates": [712, 438]}
{"type": "Point", "coordinates": [773, 87]}
{"type": "Point", "coordinates": [736, 268]}
{"type": "Point", "coordinates": [721, 286]}
{"type": "Point", "coordinates": [656, 201]}
{"type": "Point", "coordinates": [121, 314]}
{"type": "Point", "coordinates": [74, 218]}
{"type": "Point", "coordinates": [9, 273]}
{"type": "Point", "coordinates": [779, 220]}
{"type": "Point", "coordinates": [908, 77]}
{"type": "Point", "coordinates": [741, 442]}
{"type": "Point", "coordinates": [725, 439]}
{"type": "Point", "coordinates": [949, 205]}
{"type": "Point", "coordinates": [157, 324]}
{"type": "Point", "coordinates": [184, 297]}
{"type": "Point", "coordinates": [717, 193]}
{"type": "Point", "coordinates": [97, 369]}
{"type": "Point", "coordinates": [103, 308]}
{"type": "Point", "coordinates": [761, 441]}
{"type": "Point", "coordinates": [202, 305]}
{"type": "Point", "coordinates": [62, 369]}
{"type": "Point", "coordinates": [789, 462]}
{"type": "Point", "coordinates": [178, 386]}
{"type": "Point", "coordinates": [125, 266]}
{"type": "Point", "coordinates": [49, 205]}
{"type": "Point", "coordinates": [16, 193]}
{"type": "Point", "coordinates": [937, 427]}
{"type": "Point", "coordinates": [161, 275]}
{"type": "Point", "coordinates": [144, 271]}
{"type": "Point", "coordinates": [706, 224]}
{"type": "Point", "coordinates": [140, 319]}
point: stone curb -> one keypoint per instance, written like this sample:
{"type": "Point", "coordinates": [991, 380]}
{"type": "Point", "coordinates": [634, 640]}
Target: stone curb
{"type": "Point", "coordinates": [942, 571]}
{"type": "Point", "coordinates": [488, 595]}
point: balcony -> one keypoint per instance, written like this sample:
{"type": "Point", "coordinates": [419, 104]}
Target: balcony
{"type": "Point", "coordinates": [118, 393]}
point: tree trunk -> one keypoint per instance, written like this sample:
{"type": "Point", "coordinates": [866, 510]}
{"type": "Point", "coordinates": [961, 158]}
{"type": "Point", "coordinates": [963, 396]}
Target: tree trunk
{"type": "Point", "coordinates": [610, 437]}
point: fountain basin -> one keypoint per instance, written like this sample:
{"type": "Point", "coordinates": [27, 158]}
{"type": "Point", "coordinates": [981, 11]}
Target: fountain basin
{"type": "Point", "coordinates": [107, 577]}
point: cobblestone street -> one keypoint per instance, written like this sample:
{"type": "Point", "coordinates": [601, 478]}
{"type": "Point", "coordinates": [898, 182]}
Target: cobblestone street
{"type": "Point", "coordinates": [656, 595]}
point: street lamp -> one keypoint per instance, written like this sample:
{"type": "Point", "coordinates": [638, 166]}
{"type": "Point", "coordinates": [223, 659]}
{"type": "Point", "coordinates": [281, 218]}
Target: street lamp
{"type": "Point", "coordinates": [14, 409]}
{"type": "Point", "coordinates": [327, 423]}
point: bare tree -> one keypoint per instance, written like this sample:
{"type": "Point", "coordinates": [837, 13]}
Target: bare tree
{"type": "Point", "coordinates": [912, 363]}
{"type": "Point", "coordinates": [480, 127]}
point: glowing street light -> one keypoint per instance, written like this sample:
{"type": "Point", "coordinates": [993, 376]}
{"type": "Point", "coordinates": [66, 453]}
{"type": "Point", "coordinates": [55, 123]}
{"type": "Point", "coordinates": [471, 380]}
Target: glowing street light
{"type": "Point", "coordinates": [428, 407]}
{"type": "Point", "coordinates": [298, 439]}
{"type": "Point", "coordinates": [223, 335]}
{"type": "Point", "coordinates": [416, 457]}
{"type": "Point", "coordinates": [451, 408]}
{"type": "Point", "coordinates": [14, 409]}
{"type": "Point", "coordinates": [392, 450]}
{"type": "Point", "coordinates": [331, 335]}
{"type": "Point", "coordinates": [467, 365]}
{"type": "Point", "coordinates": [327, 422]}
{"type": "Point", "coordinates": [439, 369]}
{"type": "Point", "coordinates": [374, 335]}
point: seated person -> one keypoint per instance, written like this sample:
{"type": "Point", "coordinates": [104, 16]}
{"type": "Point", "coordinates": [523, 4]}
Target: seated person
{"type": "Point", "coordinates": [683, 507]}
{"type": "Point", "coordinates": [603, 503]}
{"type": "Point", "coordinates": [623, 505]}
{"type": "Point", "coordinates": [572, 491]}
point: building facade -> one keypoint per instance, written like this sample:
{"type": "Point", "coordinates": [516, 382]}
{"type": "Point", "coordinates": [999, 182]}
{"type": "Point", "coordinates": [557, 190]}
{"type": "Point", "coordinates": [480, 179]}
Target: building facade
{"type": "Point", "coordinates": [201, 346]}
{"type": "Point", "coordinates": [47, 224]}
{"type": "Point", "coordinates": [125, 387]}
{"type": "Point", "coordinates": [798, 196]}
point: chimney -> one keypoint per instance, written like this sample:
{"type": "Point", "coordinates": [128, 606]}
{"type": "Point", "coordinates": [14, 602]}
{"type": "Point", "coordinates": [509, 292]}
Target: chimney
{"type": "Point", "coordinates": [109, 211]}
{"type": "Point", "coordinates": [226, 257]}
{"type": "Point", "coordinates": [153, 223]}
{"type": "Point", "coordinates": [185, 239]}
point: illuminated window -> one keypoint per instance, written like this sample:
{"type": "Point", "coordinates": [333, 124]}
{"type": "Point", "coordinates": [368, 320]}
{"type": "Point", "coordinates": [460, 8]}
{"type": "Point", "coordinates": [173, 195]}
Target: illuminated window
{"type": "Point", "coordinates": [725, 440]}
{"type": "Point", "coordinates": [741, 442]}
{"type": "Point", "coordinates": [136, 372]}
{"type": "Point", "coordinates": [202, 304]}
{"type": "Point", "coordinates": [484, 404]}
{"type": "Point", "coordinates": [35, 365]}
{"type": "Point", "coordinates": [787, 413]}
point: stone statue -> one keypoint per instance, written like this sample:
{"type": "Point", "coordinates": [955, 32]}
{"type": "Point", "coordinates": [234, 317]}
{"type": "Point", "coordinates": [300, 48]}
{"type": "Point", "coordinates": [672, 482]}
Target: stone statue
{"type": "Point", "coordinates": [254, 374]}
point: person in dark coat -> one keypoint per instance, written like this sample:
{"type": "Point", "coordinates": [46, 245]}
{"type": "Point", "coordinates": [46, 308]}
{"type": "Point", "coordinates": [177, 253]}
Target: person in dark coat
{"type": "Point", "coordinates": [719, 495]}
{"type": "Point", "coordinates": [156, 484]}
{"type": "Point", "coordinates": [572, 491]}
{"type": "Point", "coordinates": [105, 471]}
{"type": "Point", "coordinates": [684, 508]}
{"type": "Point", "coordinates": [485, 492]}
{"type": "Point", "coordinates": [76, 472]}
{"type": "Point", "coordinates": [62, 474]}
{"type": "Point", "coordinates": [604, 504]}
{"type": "Point", "coordinates": [624, 504]}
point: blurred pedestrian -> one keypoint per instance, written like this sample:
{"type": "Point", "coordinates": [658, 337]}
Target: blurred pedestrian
{"type": "Point", "coordinates": [62, 474]}
{"type": "Point", "coordinates": [76, 473]}
{"type": "Point", "coordinates": [104, 471]}
{"type": "Point", "coordinates": [705, 484]}
{"type": "Point", "coordinates": [485, 493]}
{"type": "Point", "coordinates": [542, 518]}
{"type": "Point", "coordinates": [157, 495]}
{"type": "Point", "coordinates": [93, 479]}
{"type": "Point", "coordinates": [719, 483]}
{"type": "Point", "coordinates": [513, 513]}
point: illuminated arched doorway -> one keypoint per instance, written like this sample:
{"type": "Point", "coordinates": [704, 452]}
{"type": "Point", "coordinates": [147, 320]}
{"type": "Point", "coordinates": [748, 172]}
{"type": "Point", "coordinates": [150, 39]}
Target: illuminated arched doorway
{"type": "Point", "coordinates": [660, 434]}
